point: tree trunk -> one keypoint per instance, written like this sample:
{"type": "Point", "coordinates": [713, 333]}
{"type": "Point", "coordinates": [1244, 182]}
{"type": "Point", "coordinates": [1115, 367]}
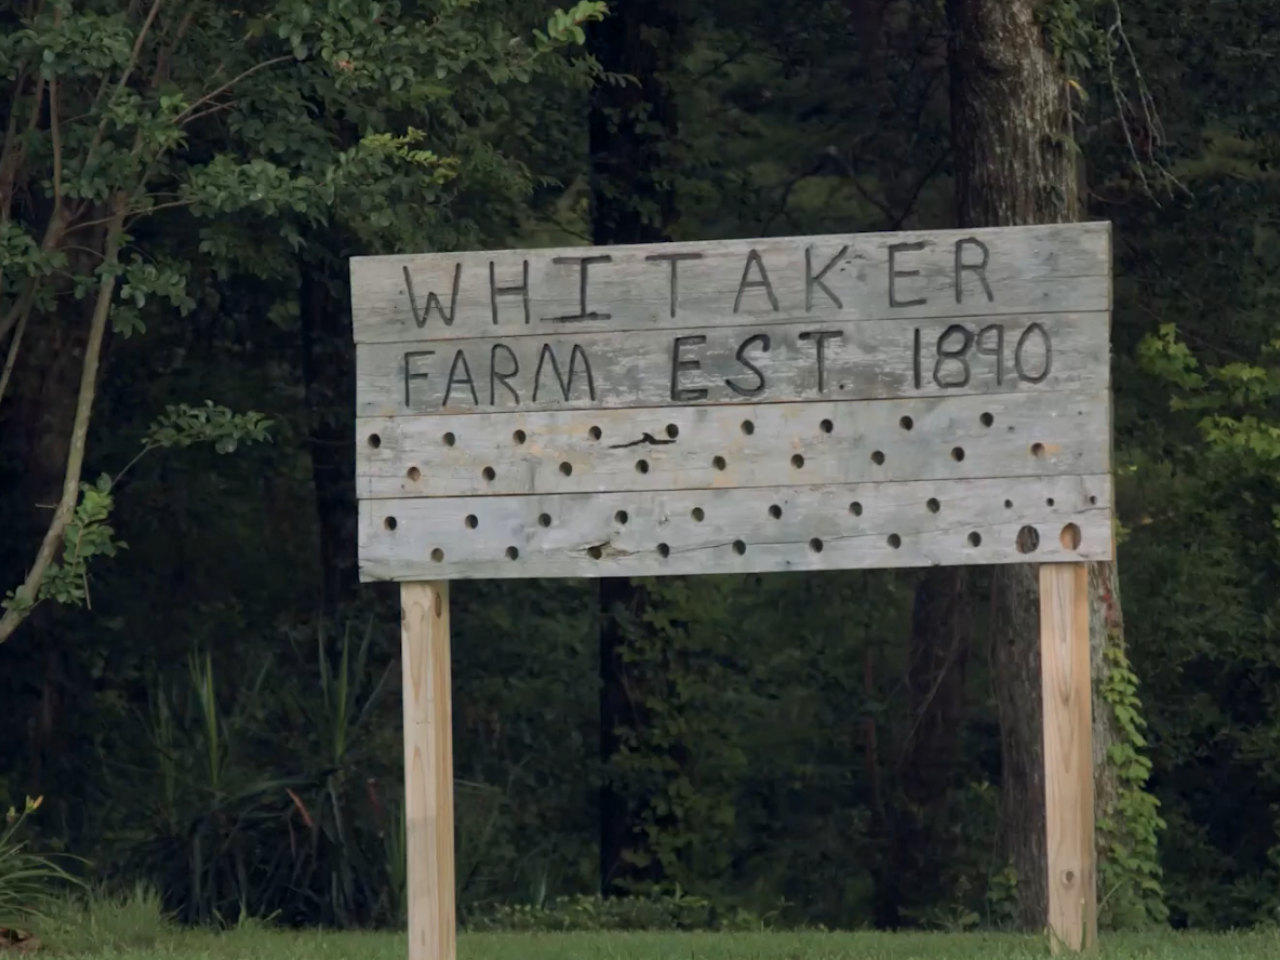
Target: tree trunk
{"type": "Point", "coordinates": [328, 376]}
{"type": "Point", "coordinates": [941, 630]}
{"type": "Point", "coordinates": [1015, 164]}
{"type": "Point", "coordinates": [631, 129]}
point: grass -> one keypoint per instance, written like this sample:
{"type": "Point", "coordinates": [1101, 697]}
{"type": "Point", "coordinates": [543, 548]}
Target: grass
{"type": "Point", "coordinates": [131, 928]}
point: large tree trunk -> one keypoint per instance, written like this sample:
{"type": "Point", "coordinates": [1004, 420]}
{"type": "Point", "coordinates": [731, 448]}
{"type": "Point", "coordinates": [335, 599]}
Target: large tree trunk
{"type": "Point", "coordinates": [328, 375]}
{"type": "Point", "coordinates": [632, 128]}
{"type": "Point", "coordinates": [1015, 163]}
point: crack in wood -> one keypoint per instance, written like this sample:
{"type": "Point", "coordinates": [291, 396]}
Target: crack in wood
{"type": "Point", "coordinates": [644, 438]}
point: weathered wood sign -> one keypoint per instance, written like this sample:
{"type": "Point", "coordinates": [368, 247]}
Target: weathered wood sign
{"type": "Point", "coordinates": [880, 400]}
{"type": "Point", "coordinates": [873, 400]}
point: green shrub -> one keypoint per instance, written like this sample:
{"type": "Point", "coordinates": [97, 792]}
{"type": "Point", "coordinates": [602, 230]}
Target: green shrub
{"type": "Point", "coordinates": [28, 881]}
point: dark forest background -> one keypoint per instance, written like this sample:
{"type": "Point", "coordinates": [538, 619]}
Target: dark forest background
{"type": "Point", "coordinates": [217, 710]}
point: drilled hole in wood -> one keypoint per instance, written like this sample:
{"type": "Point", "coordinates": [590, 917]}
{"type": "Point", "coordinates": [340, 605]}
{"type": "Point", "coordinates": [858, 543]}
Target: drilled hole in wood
{"type": "Point", "coordinates": [975, 539]}
{"type": "Point", "coordinates": [595, 553]}
{"type": "Point", "coordinates": [827, 426]}
{"type": "Point", "coordinates": [544, 519]}
{"type": "Point", "coordinates": [642, 466]}
{"type": "Point", "coordinates": [664, 551]}
{"type": "Point", "coordinates": [673, 431]}
{"type": "Point", "coordinates": [472, 521]}
{"type": "Point", "coordinates": [415, 474]}
{"type": "Point", "coordinates": [933, 505]}
{"type": "Point", "coordinates": [906, 423]}
{"type": "Point", "coordinates": [1008, 504]}
{"type": "Point", "coordinates": [1070, 537]}
{"type": "Point", "coordinates": [437, 555]}
{"type": "Point", "coordinates": [449, 439]}
{"type": "Point", "coordinates": [748, 427]}
{"type": "Point", "coordinates": [855, 508]}
{"type": "Point", "coordinates": [797, 461]}
{"type": "Point", "coordinates": [1037, 449]}
{"type": "Point", "coordinates": [1049, 502]}
{"type": "Point", "coordinates": [739, 547]}
{"type": "Point", "coordinates": [775, 511]}
{"type": "Point", "coordinates": [987, 419]}
{"type": "Point", "coordinates": [1028, 540]}
{"type": "Point", "coordinates": [815, 545]}
{"type": "Point", "coordinates": [719, 463]}
{"type": "Point", "coordinates": [621, 517]}
{"type": "Point", "coordinates": [390, 523]}
{"type": "Point", "coordinates": [1093, 501]}
{"type": "Point", "coordinates": [513, 553]}
{"type": "Point", "coordinates": [697, 514]}
{"type": "Point", "coordinates": [957, 454]}
{"type": "Point", "coordinates": [878, 458]}
{"type": "Point", "coordinates": [895, 541]}
{"type": "Point", "coordinates": [375, 441]}
{"type": "Point", "coordinates": [595, 433]}
{"type": "Point", "coordinates": [519, 437]}
{"type": "Point", "coordinates": [566, 468]}
{"type": "Point", "coordinates": [489, 474]}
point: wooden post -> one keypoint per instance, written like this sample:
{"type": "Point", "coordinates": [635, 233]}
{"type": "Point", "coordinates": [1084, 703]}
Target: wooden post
{"type": "Point", "coordinates": [428, 769]}
{"type": "Point", "coordinates": [1068, 755]}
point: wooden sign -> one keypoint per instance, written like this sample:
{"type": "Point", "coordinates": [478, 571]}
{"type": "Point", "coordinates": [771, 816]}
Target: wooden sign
{"type": "Point", "coordinates": [880, 400]}
{"type": "Point", "coordinates": [872, 400]}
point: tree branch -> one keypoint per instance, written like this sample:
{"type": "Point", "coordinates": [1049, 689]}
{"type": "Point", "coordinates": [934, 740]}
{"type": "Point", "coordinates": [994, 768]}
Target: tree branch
{"type": "Point", "coordinates": [185, 114]}
{"type": "Point", "coordinates": [14, 344]}
{"type": "Point", "coordinates": [65, 512]}
{"type": "Point", "coordinates": [134, 56]}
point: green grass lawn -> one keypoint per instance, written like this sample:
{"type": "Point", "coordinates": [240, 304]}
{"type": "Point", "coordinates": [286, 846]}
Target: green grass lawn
{"type": "Point", "coordinates": [132, 927]}
{"type": "Point", "coordinates": [260, 944]}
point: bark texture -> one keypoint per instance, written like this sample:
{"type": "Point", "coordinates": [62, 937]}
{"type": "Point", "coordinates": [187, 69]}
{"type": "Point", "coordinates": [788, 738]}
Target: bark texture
{"type": "Point", "coordinates": [631, 129]}
{"type": "Point", "coordinates": [1015, 164]}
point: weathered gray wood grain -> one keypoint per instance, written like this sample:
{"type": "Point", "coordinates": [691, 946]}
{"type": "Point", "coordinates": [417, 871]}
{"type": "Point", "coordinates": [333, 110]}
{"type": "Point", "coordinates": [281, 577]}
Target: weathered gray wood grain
{"type": "Point", "coordinates": [753, 445]}
{"type": "Point", "coordinates": [852, 526]}
{"type": "Point", "coordinates": [860, 360]}
{"type": "Point", "coordinates": [1032, 269]}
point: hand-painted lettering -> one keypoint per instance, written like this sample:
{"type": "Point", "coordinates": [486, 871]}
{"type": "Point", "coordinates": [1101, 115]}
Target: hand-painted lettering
{"type": "Point", "coordinates": [811, 281]}
{"type": "Point", "coordinates": [497, 376]}
{"type": "Point", "coordinates": [496, 291]}
{"type": "Point", "coordinates": [820, 338]}
{"type": "Point", "coordinates": [957, 353]}
{"type": "Point", "coordinates": [674, 259]}
{"type": "Point", "coordinates": [410, 375]}
{"type": "Point", "coordinates": [433, 300]}
{"type": "Point", "coordinates": [583, 313]}
{"type": "Point", "coordinates": [979, 268]}
{"type": "Point", "coordinates": [895, 273]}
{"type": "Point", "coordinates": [460, 358]}
{"type": "Point", "coordinates": [1019, 358]}
{"type": "Point", "coordinates": [982, 348]}
{"type": "Point", "coordinates": [566, 386]}
{"type": "Point", "coordinates": [747, 283]}
{"type": "Point", "coordinates": [683, 394]}
{"type": "Point", "coordinates": [762, 340]}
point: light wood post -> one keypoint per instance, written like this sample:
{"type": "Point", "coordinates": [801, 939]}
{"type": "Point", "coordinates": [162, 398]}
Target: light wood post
{"type": "Point", "coordinates": [1068, 755]}
{"type": "Point", "coordinates": [428, 769]}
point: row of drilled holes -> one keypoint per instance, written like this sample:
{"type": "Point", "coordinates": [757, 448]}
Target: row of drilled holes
{"type": "Point", "coordinates": [720, 463]}
{"type": "Point", "coordinates": [673, 431]}
{"type": "Point", "coordinates": [1027, 540]}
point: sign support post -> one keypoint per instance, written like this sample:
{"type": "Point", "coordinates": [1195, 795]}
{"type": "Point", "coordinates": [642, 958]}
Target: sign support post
{"type": "Point", "coordinates": [1067, 720]}
{"type": "Point", "coordinates": [428, 770]}
{"type": "Point", "coordinates": [840, 402]}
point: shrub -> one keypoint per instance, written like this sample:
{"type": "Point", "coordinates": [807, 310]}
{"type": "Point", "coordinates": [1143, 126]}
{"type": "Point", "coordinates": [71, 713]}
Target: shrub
{"type": "Point", "coordinates": [28, 881]}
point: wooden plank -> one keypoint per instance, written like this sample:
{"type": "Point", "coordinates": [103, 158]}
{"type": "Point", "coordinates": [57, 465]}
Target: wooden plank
{"type": "Point", "coordinates": [1068, 755]}
{"type": "Point", "coordinates": [807, 360]}
{"type": "Point", "coordinates": [754, 445]}
{"type": "Point", "coordinates": [736, 530]}
{"type": "Point", "coordinates": [428, 769]}
{"type": "Point", "coordinates": [908, 275]}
